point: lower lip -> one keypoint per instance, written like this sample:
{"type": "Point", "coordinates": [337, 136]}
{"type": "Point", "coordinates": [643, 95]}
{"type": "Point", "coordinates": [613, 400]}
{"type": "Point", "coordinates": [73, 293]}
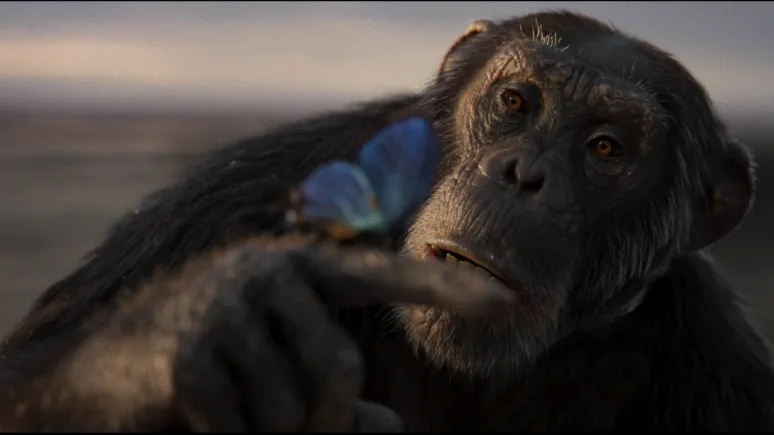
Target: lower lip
{"type": "Point", "coordinates": [430, 253]}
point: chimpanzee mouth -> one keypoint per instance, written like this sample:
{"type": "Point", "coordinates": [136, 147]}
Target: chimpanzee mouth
{"type": "Point", "coordinates": [458, 260]}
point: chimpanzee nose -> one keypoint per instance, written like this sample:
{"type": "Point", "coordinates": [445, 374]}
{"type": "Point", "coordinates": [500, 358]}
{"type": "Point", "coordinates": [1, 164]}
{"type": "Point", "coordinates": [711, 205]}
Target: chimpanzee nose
{"type": "Point", "coordinates": [526, 174]}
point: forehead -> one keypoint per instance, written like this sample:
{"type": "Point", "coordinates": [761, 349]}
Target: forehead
{"type": "Point", "coordinates": [569, 75]}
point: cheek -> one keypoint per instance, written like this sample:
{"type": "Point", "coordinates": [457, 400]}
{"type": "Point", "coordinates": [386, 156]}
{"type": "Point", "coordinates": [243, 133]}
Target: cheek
{"type": "Point", "coordinates": [619, 175]}
{"type": "Point", "coordinates": [445, 210]}
{"type": "Point", "coordinates": [613, 187]}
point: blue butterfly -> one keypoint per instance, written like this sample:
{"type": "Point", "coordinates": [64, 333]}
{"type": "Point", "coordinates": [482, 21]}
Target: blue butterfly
{"type": "Point", "coordinates": [392, 175]}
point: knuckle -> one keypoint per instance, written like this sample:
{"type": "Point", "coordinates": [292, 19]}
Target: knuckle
{"type": "Point", "coordinates": [349, 360]}
{"type": "Point", "coordinates": [344, 362]}
{"type": "Point", "coordinates": [372, 417]}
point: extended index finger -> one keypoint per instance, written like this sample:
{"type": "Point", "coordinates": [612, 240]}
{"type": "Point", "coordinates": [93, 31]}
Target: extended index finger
{"type": "Point", "coordinates": [358, 277]}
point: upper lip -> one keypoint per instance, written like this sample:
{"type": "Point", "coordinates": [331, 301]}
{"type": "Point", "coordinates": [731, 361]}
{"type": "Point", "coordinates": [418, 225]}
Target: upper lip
{"type": "Point", "coordinates": [466, 255]}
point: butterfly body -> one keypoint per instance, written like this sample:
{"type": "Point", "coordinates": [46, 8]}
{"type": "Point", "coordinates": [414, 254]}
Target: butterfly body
{"type": "Point", "coordinates": [392, 174]}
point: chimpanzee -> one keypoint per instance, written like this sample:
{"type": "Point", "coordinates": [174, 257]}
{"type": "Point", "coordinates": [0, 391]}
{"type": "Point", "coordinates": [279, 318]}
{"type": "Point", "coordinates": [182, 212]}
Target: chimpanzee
{"type": "Point", "coordinates": [584, 169]}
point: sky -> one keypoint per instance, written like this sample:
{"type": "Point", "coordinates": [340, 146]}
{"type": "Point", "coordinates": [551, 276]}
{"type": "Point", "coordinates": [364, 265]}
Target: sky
{"type": "Point", "coordinates": [216, 55]}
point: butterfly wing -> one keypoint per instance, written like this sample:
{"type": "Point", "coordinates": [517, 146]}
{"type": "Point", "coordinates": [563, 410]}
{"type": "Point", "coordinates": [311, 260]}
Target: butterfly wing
{"type": "Point", "coordinates": [400, 163]}
{"type": "Point", "coordinates": [338, 195]}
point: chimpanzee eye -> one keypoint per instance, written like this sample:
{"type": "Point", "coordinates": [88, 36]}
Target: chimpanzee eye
{"type": "Point", "coordinates": [513, 100]}
{"type": "Point", "coordinates": [605, 146]}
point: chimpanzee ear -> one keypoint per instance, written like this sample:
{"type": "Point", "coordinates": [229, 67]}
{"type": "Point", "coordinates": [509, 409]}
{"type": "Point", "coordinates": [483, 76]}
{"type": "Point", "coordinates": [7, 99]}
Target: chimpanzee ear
{"type": "Point", "coordinates": [729, 199]}
{"type": "Point", "coordinates": [476, 27]}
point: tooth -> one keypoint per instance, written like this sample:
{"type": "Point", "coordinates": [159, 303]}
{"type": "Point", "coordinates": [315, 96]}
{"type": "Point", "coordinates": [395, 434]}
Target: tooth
{"type": "Point", "coordinates": [450, 260]}
{"type": "Point", "coordinates": [467, 266]}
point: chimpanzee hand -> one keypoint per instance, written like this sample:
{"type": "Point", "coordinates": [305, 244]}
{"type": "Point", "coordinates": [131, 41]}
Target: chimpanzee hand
{"type": "Point", "coordinates": [241, 341]}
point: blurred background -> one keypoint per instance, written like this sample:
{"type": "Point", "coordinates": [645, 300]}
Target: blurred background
{"type": "Point", "coordinates": [103, 102]}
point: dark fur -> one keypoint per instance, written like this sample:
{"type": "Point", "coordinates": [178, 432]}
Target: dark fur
{"type": "Point", "coordinates": [624, 323]}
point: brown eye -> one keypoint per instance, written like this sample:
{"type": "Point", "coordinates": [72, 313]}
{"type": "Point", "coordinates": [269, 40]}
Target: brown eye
{"type": "Point", "coordinates": [513, 100]}
{"type": "Point", "coordinates": [606, 147]}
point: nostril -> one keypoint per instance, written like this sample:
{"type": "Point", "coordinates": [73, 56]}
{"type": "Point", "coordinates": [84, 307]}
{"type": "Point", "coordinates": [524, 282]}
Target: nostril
{"type": "Point", "coordinates": [527, 177]}
{"type": "Point", "coordinates": [530, 177]}
{"type": "Point", "coordinates": [511, 171]}
{"type": "Point", "coordinates": [532, 182]}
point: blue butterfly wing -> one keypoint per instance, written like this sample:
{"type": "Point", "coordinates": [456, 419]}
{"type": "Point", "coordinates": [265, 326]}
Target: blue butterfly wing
{"type": "Point", "coordinates": [400, 162]}
{"type": "Point", "coordinates": [340, 193]}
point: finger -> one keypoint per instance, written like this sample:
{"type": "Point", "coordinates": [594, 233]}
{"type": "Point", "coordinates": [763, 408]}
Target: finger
{"type": "Point", "coordinates": [365, 276]}
{"type": "Point", "coordinates": [372, 417]}
{"type": "Point", "coordinates": [270, 394]}
{"type": "Point", "coordinates": [206, 397]}
{"type": "Point", "coordinates": [327, 358]}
